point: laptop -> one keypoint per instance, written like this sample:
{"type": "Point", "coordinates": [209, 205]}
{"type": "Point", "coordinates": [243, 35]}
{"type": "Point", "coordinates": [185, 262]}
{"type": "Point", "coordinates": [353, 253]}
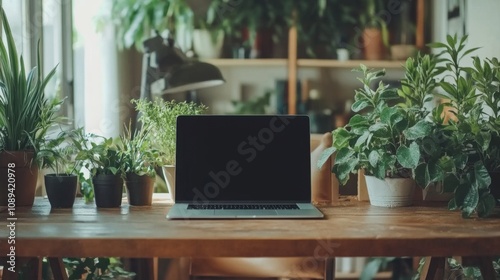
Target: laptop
{"type": "Point", "coordinates": [243, 166]}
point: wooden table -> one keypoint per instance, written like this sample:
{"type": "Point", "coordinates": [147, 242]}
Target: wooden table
{"type": "Point", "coordinates": [349, 229]}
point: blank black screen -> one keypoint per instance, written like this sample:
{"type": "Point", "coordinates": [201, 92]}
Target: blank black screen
{"type": "Point", "coordinates": [222, 158]}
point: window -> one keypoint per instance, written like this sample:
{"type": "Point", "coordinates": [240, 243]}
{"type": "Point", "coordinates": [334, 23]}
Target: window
{"type": "Point", "coordinates": [45, 24]}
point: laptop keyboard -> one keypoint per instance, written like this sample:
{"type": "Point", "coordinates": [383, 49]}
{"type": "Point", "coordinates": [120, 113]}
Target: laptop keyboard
{"type": "Point", "coordinates": [244, 206]}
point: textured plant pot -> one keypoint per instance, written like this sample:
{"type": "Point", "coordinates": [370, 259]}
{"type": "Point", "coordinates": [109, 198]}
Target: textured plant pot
{"type": "Point", "coordinates": [402, 52]}
{"type": "Point", "coordinates": [61, 189]}
{"type": "Point", "coordinates": [140, 189]}
{"type": "Point", "coordinates": [495, 186]}
{"type": "Point", "coordinates": [373, 46]}
{"type": "Point", "coordinates": [391, 192]}
{"type": "Point", "coordinates": [169, 175]}
{"type": "Point", "coordinates": [108, 190]}
{"type": "Point", "coordinates": [204, 45]}
{"type": "Point", "coordinates": [24, 178]}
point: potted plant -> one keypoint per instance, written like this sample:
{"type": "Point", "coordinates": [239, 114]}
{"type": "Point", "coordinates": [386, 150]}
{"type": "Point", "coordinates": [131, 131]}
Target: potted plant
{"type": "Point", "coordinates": [101, 167]}
{"type": "Point", "coordinates": [461, 144]}
{"type": "Point", "coordinates": [160, 117]}
{"type": "Point", "coordinates": [135, 21]}
{"type": "Point", "coordinates": [375, 33]}
{"type": "Point", "coordinates": [210, 28]}
{"type": "Point", "coordinates": [25, 116]}
{"type": "Point", "coordinates": [140, 160]}
{"type": "Point", "coordinates": [486, 76]}
{"type": "Point", "coordinates": [323, 26]}
{"type": "Point", "coordinates": [372, 141]}
{"type": "Point", "coordinates": [58, 155]}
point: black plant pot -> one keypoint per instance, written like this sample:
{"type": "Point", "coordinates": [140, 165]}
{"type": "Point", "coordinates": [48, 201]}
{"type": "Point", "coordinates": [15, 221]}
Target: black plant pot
{"type": "Point", "coordinates": [61, 189]}
{"type": "Point", "coordinates": [140, 189]}
{"type": "Point", "coordinates": [495, 186]}
{"type": "Point", "coordinates": [108, 190]}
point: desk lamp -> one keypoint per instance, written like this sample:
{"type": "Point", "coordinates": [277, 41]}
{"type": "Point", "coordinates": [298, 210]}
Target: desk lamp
{"type": "Point", "coordinates": [166, 69]}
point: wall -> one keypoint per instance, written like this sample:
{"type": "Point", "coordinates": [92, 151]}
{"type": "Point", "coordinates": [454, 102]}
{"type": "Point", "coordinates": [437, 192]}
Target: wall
{"type": "Point", "coordinates": [482, 22]}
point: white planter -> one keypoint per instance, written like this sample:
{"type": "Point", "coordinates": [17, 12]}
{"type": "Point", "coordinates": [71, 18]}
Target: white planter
{"type": "Point", "coordinates": [204, 46]}
{"type": "Point", "coordinates": [391, 192]}
{"type": "Point", "coordinates": [169, 174]}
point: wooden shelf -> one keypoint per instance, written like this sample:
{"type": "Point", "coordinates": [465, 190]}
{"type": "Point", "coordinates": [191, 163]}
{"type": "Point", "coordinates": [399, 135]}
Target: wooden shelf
{"type": "Point", "coordinates": [355, 275]}
{"type": "Point", "coordinates": [247, 62]}
{"type": "Point", "coordinates": [332, 63]}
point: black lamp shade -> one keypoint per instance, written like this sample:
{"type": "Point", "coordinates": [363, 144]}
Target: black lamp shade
{"type": "Point", "coordinates": [192, 76]}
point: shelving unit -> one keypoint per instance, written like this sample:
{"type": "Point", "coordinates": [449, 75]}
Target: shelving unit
{"type": "Point", "coordinates": [228, 62]}
{"type": "Point", "coordinates": [350, 64]}
{"type": "Point", "coordinates": [294, 65]}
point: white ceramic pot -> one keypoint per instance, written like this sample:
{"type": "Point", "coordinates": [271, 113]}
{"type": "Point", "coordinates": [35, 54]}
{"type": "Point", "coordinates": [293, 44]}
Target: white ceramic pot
{"type": "Point", "coordinates": [169, 175]}
{"type": "Point", "coordinates": [205, 46]}
{"type": "Point", "coordinates": [391, 192]}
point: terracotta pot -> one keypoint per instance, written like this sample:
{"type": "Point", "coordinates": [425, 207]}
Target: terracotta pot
{"type": "Point", "coordinates": [108, 190]}
{"type": "Point", "coordinates": [23, 177]}
{"type": "Point", "coordinates": [373, 46]}
{"type": "Point", "coordinates": [61, 189]}
{"type": "Point", "coordinates": [391, 192]}
{"type": "Point", "coordinates": [140, 189]}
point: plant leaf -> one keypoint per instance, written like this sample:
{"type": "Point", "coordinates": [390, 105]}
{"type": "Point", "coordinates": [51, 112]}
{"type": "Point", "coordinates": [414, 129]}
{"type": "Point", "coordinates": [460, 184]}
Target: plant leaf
{"type": "Point", "coordinates": [325, 156]}
{"type": "Point", "coordinates": [408, 157]}
{"type": "Point", "coordinates": [419, 130]}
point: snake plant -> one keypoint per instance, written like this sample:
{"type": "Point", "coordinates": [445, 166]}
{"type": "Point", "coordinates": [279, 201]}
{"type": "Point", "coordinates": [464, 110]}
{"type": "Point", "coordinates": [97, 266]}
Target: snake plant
{"type": "Point", "coordinates": [25, 112]}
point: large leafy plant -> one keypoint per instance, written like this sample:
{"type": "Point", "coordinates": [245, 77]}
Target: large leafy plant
{"type": "Point", "coordinates": [374, 139]}
{"type": "Point", "coordinates": [135, 20]}
{"type": "Point", "coordinates": [25, 113]}
{"type": "Point", "coordinates": [160, 119]}
{"type": "Point", "coordinates": [459, 143]}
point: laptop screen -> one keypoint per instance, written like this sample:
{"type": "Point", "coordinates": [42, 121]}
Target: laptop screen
{"type": "Point", "coordinates": [243, 158]}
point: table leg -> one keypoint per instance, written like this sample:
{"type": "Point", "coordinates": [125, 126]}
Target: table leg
{"type": "Point", "coordinates": [433, 268]}
{"type": "Point", "coordinates": [145, 268]}
{"type": "Point", "coordinates": [58, 269]}
{"type": "Point", "coordinates": [330, 269]}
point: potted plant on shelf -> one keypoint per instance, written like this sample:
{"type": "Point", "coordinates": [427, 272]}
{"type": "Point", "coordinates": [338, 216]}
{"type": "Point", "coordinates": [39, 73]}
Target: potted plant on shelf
{"type": "Point", "coordinates": [160, 117]}
{"type": "Point", "coordinates": [210, 28]}
{"type": "Point", "coordinates": [375, 33]}
{"type": "Point", "coordinates": [25, 116]}
{"type": "Point", "coordinates": [323, 26]}
{"type": "Point", "coordinates": [140, 160]}
{"type": "Point", "coordinates": [101, 167]}
{"type": "Point", "coordinates": [58, 155]}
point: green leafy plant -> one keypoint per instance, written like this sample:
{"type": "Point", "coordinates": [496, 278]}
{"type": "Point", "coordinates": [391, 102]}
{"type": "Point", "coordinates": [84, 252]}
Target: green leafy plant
{"type": "Point", "coordinates": [160, 118]}
{"type": "Point", "coordinates": [135, 20]}
{"type": "Point", "coordinates": [371, 17]}
{"type": "Point", "coordinates": [254, 106]}
{"type": "Point", "coordinates": [96, 155]}
{"type": "Point", "coordinates": [375, 139]}
{"type": "Point", "coordinates": [457, 145]}
{"type": "Point", "coordinates": [25, 113]}
{"type": "Point", "coordinates": [58, 154]}
{"type": "Point", "coordinates": [322, 23]}
{"type": "Point", "coordinates": [96, 269]}
{"type": "Point", "coordinates": [137, 152]}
